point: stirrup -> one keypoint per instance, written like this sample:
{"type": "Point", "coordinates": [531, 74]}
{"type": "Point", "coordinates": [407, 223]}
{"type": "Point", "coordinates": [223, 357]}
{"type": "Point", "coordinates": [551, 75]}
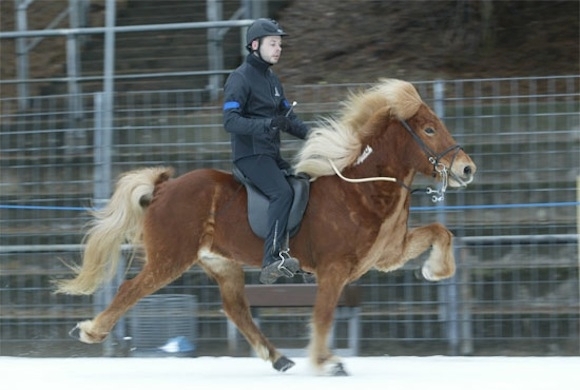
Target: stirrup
{"type": "Point", "coordinates": [282, 267]}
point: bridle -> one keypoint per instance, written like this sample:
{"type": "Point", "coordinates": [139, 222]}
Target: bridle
{"type": "Point", "coordinates": [439, 168]}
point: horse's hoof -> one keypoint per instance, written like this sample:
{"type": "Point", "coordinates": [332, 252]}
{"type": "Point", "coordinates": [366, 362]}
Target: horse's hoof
{"type": "Point", "coordinates": [420, 275]}
{"type": "Point", "coordinates": [75, 332]}
{"type": "Point", "coordinates": [283, 364]}
{"type": "Point", "coordinates": [80, 332]}
{"type": "Point", "coordinates": [338, 370]}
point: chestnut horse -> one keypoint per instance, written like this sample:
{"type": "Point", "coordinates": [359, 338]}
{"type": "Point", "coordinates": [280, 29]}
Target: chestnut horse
{"type": "Point", "coordinates": [362, 163]}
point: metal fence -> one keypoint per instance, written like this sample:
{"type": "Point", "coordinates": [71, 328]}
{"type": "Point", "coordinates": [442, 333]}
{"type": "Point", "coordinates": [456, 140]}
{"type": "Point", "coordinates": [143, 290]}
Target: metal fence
{"type": "Point", "coordinates": [516, 291]}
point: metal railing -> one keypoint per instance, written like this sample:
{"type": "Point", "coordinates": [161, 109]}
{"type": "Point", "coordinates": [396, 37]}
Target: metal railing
{"type": "Point", "coordinates": [516, 290]}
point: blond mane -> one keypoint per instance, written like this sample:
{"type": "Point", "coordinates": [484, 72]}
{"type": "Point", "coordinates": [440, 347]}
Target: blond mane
{"type": "Point", "coordinates": [339, 139]}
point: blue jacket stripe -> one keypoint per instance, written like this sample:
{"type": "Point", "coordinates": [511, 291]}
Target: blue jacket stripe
{"type": "Point", "coordinates": [231, 105]}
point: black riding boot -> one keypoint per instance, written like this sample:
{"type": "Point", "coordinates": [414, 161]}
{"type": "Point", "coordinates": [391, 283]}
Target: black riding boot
{"type": "Point", "coordinates": [277, 262]}
{"type": "Point", "coordinates": [283, 266]}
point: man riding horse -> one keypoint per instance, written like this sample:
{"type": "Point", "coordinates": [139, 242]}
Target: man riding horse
{"type": "Point", "coordinates": [255, 112]}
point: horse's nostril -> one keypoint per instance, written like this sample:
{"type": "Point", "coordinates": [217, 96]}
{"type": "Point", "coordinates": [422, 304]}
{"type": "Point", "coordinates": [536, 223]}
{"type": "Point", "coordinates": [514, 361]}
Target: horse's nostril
{"type": "Point", "coordinates": [467, 170]}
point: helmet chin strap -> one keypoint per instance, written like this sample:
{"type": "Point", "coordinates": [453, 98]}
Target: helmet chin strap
{"type": "Point", "coordinates": [259, 53]}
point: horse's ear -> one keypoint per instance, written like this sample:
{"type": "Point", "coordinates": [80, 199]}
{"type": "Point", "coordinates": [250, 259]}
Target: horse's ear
{"type": "Point", "coordinates": [385, 113]}
{"type": "Point", "coordinates": [164, 176]}
{"type": "Point", "coordinates": [379, 121]}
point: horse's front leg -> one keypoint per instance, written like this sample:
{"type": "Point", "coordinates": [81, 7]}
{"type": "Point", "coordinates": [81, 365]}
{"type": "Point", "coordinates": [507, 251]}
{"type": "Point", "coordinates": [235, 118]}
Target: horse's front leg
{"type": "Point", "coordinates": [322, 359]}
{"type": "Point", "coordinates": [441, 261]}
{"type": "Point", "coordinates": [230, 278]}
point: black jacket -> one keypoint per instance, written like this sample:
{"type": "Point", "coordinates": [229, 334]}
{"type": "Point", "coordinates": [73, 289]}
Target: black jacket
{"type": "Point", "coordinates": [253, 95]}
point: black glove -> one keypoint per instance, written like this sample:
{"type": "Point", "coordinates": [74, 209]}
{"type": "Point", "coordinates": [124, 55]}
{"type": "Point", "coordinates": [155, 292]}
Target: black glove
{"type": "Point", "coordinates": [280, 123]}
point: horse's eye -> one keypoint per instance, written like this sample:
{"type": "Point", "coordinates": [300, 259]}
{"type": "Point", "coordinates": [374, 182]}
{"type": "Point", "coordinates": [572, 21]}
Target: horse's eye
{"type": "Point", "coordinates": [430, 131]}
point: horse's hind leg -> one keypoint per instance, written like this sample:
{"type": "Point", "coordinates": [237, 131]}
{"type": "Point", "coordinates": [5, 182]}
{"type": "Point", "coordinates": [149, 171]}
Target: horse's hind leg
{"type": "Point", "coordinates": [149, 280]}
{"type": "Point", "coordinates": [230, 278]}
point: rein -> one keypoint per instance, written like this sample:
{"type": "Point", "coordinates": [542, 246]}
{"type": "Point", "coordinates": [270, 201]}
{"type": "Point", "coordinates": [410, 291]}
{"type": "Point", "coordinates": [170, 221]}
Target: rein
{"type": "Point", "coordinates": [438, 168]}
{"type": "Point", "coordinates": [362, 180]}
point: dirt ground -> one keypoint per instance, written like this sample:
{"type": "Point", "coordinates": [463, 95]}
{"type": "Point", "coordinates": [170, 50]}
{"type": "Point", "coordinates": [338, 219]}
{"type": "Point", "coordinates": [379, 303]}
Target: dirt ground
{"type": "Point", "coordinates": [357, 41]}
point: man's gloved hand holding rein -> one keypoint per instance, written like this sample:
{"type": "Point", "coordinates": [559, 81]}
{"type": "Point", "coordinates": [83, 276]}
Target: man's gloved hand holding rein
{"type": "Point", "coordinates": [280, 123]}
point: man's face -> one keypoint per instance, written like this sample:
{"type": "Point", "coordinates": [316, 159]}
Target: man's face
{"type": "Point", "coordinates": [270, 49]}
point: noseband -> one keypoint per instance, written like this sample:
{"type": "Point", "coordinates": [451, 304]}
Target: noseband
{"type": "Point", "coordinates": [438, 167]}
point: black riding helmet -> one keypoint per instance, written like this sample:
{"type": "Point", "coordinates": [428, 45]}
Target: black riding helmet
{"type": "Point", "coordinates": [262, 28]}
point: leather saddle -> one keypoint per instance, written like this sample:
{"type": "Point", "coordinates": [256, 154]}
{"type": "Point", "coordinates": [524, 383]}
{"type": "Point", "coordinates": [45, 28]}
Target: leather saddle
{"type": "Point", "coordinates": [258, 203]}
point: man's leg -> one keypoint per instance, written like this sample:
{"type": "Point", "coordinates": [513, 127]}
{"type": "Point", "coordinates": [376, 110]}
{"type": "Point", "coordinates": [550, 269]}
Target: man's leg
{"type": "Point", "coordinates": [267, 176]}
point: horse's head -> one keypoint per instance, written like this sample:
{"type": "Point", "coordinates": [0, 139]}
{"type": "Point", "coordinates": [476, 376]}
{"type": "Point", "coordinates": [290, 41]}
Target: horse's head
{"type": "Point", "coordinates": [441, 156]}
{"type": "Point", "coordinates": [393, 115]}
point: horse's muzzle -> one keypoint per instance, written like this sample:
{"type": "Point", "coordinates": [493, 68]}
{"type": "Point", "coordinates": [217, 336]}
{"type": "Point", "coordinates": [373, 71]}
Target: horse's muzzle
{"type": "Point", "coordinates": [461, 173]}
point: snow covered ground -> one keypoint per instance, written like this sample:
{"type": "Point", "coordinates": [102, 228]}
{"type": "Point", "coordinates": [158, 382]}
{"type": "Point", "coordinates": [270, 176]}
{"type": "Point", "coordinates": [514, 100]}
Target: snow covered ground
{"type": "Point", "coordinates": [233, 373]}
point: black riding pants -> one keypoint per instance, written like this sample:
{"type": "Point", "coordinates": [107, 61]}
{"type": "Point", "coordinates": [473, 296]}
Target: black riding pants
{"type": "Point", "coordinates": [267, 174]}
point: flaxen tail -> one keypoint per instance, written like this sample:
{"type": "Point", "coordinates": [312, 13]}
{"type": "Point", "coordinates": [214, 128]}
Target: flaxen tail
{"type": "Point", "coordinates": [121, 221]}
